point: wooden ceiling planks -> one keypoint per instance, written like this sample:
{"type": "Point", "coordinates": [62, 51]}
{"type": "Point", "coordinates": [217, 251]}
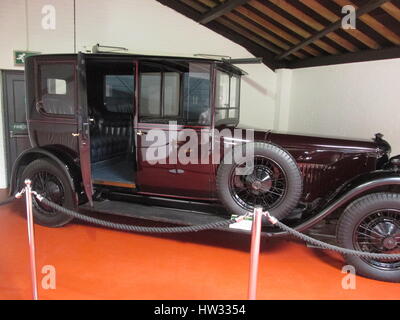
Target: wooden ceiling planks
{"type": "Point", "coordinates": [373, 23]}
{"type": "Point", "coordinates": [332, 17]}
{"type": "Point", "coordinates": [303, 32]}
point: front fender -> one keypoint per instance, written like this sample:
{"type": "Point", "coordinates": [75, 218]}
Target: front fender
{"type": "Point", "coordinates": [363, 184]}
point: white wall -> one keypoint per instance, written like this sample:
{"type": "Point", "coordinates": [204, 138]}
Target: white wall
{"type": "Point", "coordinates": [21, 29]}
{"type": "Point", "coordinates": [349, 100]}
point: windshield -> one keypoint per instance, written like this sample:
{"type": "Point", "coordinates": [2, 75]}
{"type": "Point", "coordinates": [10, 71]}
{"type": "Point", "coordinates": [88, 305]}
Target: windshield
{"type": "Point", "coordinates": [227, 98]}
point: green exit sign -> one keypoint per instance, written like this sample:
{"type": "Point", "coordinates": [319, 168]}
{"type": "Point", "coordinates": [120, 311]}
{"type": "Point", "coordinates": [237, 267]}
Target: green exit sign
{"type": "Point", "coordinates": [20, 56]}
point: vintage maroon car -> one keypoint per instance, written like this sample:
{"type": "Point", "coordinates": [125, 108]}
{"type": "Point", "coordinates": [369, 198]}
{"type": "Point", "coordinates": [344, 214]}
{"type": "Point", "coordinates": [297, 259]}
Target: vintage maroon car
{"type": "Point", "coordinates": [89, 117]}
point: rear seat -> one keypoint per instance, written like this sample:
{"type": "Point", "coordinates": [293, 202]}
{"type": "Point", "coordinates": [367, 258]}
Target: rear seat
{"type": "Point", "coordinates": [111, 136]}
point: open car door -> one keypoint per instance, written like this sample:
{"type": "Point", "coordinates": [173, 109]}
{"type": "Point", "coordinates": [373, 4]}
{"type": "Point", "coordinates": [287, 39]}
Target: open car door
{"type": "Point", "coordinates": [84, 128]}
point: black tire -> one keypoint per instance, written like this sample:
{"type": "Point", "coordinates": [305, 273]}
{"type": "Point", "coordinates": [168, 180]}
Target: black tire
{"type": "Point", "coordinates": [55, 187]}
{"type": "Point", "coordinates": [367, 224]}
{"type": "Point", "coordinates": [277, 162]}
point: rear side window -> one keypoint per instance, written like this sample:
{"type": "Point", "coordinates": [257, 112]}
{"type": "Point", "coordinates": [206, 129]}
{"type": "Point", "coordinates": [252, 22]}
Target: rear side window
{"type": "Point", "coordinates": [57, 88]}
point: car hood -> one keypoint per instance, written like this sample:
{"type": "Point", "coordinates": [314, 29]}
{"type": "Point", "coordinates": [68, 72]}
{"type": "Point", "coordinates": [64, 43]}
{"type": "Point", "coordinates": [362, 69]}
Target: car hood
{"type": "Point", "coordinates": [295, 141]}
{"type": "Point", "coordinates": [302, 141]}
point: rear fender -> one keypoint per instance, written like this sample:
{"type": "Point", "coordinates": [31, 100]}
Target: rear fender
{"type": "Point", "coordinates": [61, 157]}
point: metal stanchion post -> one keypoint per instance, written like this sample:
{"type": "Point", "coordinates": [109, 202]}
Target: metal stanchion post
{"type": "Point", "coordinates": [31, 237]}
{"type": "Point", "coordinates": [255, 252]}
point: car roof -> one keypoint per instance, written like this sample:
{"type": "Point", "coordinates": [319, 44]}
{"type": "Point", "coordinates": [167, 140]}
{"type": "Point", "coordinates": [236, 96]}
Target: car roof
{"type": "Point", "coordinates": [223, 62]}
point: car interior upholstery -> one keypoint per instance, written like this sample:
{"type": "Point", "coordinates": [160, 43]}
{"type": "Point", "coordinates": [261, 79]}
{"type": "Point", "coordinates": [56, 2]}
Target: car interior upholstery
{"type": "Point", "coordinates": [111, 132]}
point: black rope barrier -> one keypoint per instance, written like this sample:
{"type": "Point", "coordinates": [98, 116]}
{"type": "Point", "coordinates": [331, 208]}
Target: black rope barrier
{"type": "Point", "coordinates": [140, 229]}
{"type": "Point", "coordinates": [324, 245]}
{"type": "Point", "coordinates": [215, 225]}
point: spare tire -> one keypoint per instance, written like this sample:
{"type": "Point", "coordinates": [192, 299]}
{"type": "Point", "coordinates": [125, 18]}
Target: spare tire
{"type": "Point", "coordinates": [275, 183]}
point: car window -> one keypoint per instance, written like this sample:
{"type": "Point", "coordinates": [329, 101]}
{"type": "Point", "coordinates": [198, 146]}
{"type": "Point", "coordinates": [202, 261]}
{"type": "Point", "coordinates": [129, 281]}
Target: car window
{"type": "Point", "coordinates": [227, 96]}
{"type": "Point", "coordinates": [175, 91]}
{"type": "Point", "coordinates": [150, 94]}
{"type": "Point", "coordinates": [171, 94]}
{"type": "Point", "coordinates": [57, 88]}
{"type": "Point", "coordinates": [196, 97]}
{"type": "Point", "coordinates": [119, 93]}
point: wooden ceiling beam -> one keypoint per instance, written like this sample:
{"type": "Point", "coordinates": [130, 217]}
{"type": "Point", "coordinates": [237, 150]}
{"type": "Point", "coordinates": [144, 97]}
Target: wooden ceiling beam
{"type": "Point", "coordinates": [366, 55]}
{"type": "Point", "coordinates": [284, 5]}
{"type": "Point", "coordinates": [372, 22]}
{"type": "Point", "coordinates": [251, 27]}
{"type": "Point", "coordinates": [391, 9]}
{"type": "Point", "coordinates": [193, 10]}
{"type": "Point", "coordinates": [332, 17]}
{"type": "Point", "coordinates": [290, 25]}
{"type": "Point", "coordinates": [227, 23]}
{"type": "Point", "coordinates": [249, 36]}
{"type": "Point", "coordinates": [221, 10]}
{"type": "Point", "coordinates": [273, 28]}
{"type": "Point", "coordinates": [261, 33]}
{"type": "Point", "coordinates": [369, 6]}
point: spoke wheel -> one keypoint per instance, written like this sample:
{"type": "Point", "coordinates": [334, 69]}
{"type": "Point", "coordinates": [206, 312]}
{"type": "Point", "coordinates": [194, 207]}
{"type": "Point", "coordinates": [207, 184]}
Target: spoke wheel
{"type": "Point", "coordinates": [379, 232]}
{"type": "Point", "coordinates": [372, 224]}
{"type": "Point", "coordinates": [265, 186]}
{"type": "Point", "coordinates": [50, 187]}
{"type": "Point", "coordinates": [273, 181]}
{"type": "Point", "coordinates": [50, 180]}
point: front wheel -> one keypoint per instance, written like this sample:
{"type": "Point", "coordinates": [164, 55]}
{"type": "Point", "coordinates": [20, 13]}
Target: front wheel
{"type": "Point", "coordinates": [372, 224]}
{"type": "Point", "coordinates": [51, 182]}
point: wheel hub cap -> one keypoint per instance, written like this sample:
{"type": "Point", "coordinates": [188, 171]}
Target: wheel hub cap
{"type": "Point", "coordinates": [260, 180]}
{"type": "Point", "coordinates": [390, 243]}
{"type": "Point", "coordinates": [256, 185]}
{"type": "Point", "coordinates": [50, 187]}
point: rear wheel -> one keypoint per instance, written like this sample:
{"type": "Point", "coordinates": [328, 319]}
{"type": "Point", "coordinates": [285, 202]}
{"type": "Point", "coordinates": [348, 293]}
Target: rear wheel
{"type": "Point", "coordinates": [372, 224]}
{"type": "Point", "coordinates": [51, 182]}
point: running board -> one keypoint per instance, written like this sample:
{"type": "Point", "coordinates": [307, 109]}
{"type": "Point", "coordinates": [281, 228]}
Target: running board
{"type": "Point", "coordinates": [155, 213]}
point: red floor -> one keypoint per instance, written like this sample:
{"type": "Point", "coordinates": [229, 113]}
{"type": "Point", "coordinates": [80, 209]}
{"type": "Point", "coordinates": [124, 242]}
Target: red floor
{"type": "Point", "coordinates": [95, 263]}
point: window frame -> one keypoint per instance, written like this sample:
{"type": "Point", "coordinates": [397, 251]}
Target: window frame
{"type": "Point", "coordinates": [181, 121]}
{"type": "Point", "coordinates": [38, 88]}
{"type": "Point", "coordinates": [162, 101]}
{"type": "Point", "coordinates": [226, 121]}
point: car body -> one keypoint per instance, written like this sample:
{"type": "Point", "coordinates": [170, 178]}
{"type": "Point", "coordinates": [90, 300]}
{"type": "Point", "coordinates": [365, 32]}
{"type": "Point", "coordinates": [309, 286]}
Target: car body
{"type": "Point", "coordinates": [83, 109]}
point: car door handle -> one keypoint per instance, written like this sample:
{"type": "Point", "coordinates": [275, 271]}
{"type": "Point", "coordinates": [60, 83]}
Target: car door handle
{"type": "Point", "coordinates": [75, 134]}
{"type": "Point", "coordinates": [40, 106]}
{"type": "Point", "coordinates": [140, 133]}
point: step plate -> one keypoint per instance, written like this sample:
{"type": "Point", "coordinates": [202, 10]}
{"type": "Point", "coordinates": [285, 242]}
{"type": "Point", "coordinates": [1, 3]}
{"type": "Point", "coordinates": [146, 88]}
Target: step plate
{"type": "Point", "coordinates": [154, 213]}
